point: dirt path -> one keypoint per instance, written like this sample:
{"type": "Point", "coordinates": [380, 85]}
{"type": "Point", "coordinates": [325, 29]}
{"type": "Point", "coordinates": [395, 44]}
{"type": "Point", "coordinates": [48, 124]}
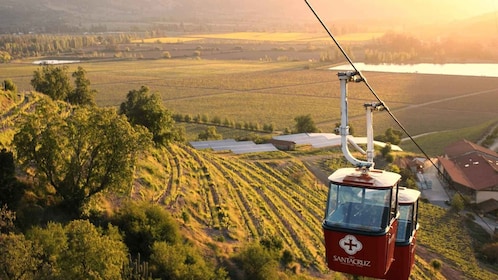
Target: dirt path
{"type": "Point", "coordinates": [447, 271]}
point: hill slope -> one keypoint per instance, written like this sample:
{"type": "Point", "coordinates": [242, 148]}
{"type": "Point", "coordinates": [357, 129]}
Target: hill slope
{"type": "Point", "coordinates": [45, 15]}
{"type": "Point", "coordinates": [224, 201]}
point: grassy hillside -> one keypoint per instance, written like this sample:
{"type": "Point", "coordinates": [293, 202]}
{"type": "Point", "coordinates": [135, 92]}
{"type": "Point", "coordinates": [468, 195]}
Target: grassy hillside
{"type": "Point", "coordinates": [224, 201]}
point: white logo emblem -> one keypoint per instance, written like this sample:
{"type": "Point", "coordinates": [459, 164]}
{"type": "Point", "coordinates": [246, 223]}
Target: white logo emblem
{"type": "Point", "coordinates": [350, 244]}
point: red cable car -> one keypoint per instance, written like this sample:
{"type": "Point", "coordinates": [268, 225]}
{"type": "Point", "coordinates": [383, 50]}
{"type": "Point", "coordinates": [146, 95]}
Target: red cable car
{"type": "Point", "coordinates": [360, 224]}
{"type": "Point", "coordinates": [361, 217]}
{"type": "Point", "coordinates": [404, 253]}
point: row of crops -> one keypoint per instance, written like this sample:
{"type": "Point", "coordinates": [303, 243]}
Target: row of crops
{"type": "Point", "coordinates": [241, 200]}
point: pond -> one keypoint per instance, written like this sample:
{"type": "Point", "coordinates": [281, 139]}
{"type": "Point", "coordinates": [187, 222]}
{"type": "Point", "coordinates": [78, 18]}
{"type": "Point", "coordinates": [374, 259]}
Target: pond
{"type": "Point", "coordinates": [54, 61]}
{"type": "Point", "coordinates": [461, 69]}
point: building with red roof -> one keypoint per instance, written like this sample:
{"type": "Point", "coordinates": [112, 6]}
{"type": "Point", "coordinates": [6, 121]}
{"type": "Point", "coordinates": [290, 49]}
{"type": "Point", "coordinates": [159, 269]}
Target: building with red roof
{"type": "Point", "coordinates": [472, 170]}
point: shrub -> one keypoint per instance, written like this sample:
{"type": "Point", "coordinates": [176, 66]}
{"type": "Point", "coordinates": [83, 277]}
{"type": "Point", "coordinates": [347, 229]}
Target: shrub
{"type": "Point", "coordinates": [490, 252]}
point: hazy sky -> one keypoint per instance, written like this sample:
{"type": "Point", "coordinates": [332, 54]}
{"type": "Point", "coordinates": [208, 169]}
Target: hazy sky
{"type": "Point", "coordinates": [415, 10]}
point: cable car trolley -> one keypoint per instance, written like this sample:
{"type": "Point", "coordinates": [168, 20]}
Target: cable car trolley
{"type": "Point", "coordinates": [361, 217]}
{"type": "Point", "coordinates": [360, 224]}
{"type": "Point", "coordinates": [367, 231]}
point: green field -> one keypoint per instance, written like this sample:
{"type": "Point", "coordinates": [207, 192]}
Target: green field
{"type": "Point", "coordinates": [277, 92]}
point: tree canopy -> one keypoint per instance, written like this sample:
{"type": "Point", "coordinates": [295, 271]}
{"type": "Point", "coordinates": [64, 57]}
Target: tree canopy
{"type": "Point", "coordinates": [305, 124]}
{"type": "Point", "coordinates": [82, 94]}
{"type": "Point", "coordinates": [390, 136]}
{"type": "Point", "coordinates": [209, 133]}
{"type": "Point", "coordinates": [78, 250]}
{"type": "Point", "coordinates": [79, 153]}
{"type": "Point", "coordinates": [55, 82]}
{"type": "Point", "coordinates": [145, 108]}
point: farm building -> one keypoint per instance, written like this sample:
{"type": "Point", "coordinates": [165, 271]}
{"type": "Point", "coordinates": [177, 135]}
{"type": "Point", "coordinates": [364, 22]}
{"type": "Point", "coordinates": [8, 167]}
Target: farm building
{"type": "Point", "coordinates": [472, 170]}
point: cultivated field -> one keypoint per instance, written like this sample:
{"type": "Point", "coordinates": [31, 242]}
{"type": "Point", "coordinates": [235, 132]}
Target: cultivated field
{"type": "Point", "coordinates": [270, 78]}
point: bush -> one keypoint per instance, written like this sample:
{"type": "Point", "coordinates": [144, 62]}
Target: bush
{"type": "Point", "coordinates": [457, 202]}
{"type": "Point", "coordinates": [144, 224]}
{"type": "Point", "coordinates": [436, 264]}
{"type": "Point", "coordinates": [490, 252]}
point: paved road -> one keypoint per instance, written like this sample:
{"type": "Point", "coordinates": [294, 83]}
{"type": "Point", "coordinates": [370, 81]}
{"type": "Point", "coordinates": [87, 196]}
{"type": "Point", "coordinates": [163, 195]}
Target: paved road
{"type": "Point", "coordinates": [432, 188]}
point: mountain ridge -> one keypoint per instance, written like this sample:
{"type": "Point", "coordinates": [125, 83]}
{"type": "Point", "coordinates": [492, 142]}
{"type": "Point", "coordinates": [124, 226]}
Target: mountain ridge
{"type": "Point", "coordinates": [31, 15]}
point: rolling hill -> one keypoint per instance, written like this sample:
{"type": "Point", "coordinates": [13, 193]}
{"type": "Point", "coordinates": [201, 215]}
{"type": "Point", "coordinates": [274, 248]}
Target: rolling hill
{"type": "Point", "coordinates": [71, 15]}
{"type": "Point", "coordinates": [224, 201]}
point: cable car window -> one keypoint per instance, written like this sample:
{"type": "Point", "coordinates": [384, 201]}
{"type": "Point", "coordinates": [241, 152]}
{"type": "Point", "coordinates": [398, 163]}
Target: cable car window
{"type": "Point", "coordinates": [405, 222]}
{"type": "Point", "coordinates": [358, 208]}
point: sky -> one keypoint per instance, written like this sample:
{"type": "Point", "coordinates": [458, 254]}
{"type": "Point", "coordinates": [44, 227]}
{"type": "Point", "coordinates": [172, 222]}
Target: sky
{"type": "Point", "coordinates": [417, 11]}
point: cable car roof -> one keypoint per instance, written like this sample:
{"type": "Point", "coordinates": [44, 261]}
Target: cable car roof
{"type": "Point", "coordinates": [374, 178]}
{"type": "Point", "coordinates": [407, 196]}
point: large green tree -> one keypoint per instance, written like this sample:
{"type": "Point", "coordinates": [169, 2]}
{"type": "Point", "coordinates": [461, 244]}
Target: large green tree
{"type": "Point", "coordinates": [79, 250]}
{"type": "Point", "coordinates": [53, 81]}
{"type": "Point", "coordinates": [79, 152]}
{"type": "Point", "coordinates": [19, 258]}
{"type": "Point", "coordinates": [144, 224]}
{"type": "Point", "coordinates": [145, 108]}
{"type": "Point", "coordinates": [82, 93]}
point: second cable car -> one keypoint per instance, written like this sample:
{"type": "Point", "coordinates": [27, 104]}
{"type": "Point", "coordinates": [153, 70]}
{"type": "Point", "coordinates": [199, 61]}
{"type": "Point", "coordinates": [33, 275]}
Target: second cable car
{"type": "Point", "coordinates": [406, 239]}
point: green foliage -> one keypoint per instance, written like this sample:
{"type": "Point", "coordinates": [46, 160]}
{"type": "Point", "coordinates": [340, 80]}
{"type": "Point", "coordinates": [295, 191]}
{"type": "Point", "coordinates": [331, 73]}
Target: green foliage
{"type": "Point", "coordinates": [53, 81]}
{"type": "Point", "coordinates": [390, 136]}
{"type": "Point", "coordinates": [144, 224]}
{"type": "Point", "coordinates": [210, 133]}
{"type": "Point", "coordinates": [5, 57]}
{"type": "Point", "coordinates": [457, 202]}
{"type": "Point", "coordinates": [9, 85]}
{"type": "Point", "coordinates": [436, 264]}
{"type": "Point", "coordinates": [143, 108]}
{"type": "Point", "coordinates": [305, 124]}
{"type": "Point", "coordinates": [386, 150]}
{"type": "Point", "coordinates": [272, 243]}
{"type": "Point", "coordinates": [82, 93]}
{"type": "Point", "coordinates": [490, 252]}
{"type": "Point", "coordinates": [79, 250]}
{"type": "Point", "coordinates": [7, 218]}
{"type": "Point", "coordinates": [181, 261]}
{"type": "Point", "coordinates": [257, 262]}
{"type": "Point", "coordinates": [80, 154]}
{"type": "Point", "coordinates": [19, 258]}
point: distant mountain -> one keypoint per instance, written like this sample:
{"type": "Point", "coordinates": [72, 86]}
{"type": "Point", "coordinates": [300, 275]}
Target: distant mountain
{"type": "Point", "coordinates": [40, 15]}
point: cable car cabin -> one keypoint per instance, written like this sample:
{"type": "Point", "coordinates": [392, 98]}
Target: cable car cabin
{"type": "Point", "coordinates": [360, 222]}
{"type": "Point", "coordinates": [404, 253]}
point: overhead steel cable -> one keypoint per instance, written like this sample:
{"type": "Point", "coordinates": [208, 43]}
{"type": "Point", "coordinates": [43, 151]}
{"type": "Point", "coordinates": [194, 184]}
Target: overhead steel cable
{"type": "Point", "coordinates": [364, 80]}
{"type": "Point", "coordinates": [367, 84]}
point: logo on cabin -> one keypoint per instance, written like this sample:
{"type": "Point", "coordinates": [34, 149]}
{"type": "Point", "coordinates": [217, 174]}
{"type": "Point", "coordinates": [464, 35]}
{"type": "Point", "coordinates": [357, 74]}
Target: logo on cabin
{"type": "Point", "coordinates": [350, 244]}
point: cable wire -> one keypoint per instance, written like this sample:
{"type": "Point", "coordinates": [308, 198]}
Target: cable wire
{"type": "Point", "coordinates": [370, 88]}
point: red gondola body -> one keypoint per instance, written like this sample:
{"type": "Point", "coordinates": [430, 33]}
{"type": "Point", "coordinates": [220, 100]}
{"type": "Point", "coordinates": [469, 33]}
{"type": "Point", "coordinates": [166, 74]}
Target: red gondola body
{"type": "Point", "coordinates": [406, 239]}
{"type": "Point", "coordinates": [360, 224]}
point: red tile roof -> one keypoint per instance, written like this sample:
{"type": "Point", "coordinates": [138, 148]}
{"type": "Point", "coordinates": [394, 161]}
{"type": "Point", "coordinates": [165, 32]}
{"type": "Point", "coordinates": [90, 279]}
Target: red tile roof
{"type": "Point", "coordinates": [471, 165]}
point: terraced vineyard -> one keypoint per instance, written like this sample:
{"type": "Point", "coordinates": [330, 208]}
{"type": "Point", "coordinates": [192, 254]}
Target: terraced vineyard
{"type": "Point", "coordinates": [220, 197]}
{"type": "Point", "coordinates": [224, 200]}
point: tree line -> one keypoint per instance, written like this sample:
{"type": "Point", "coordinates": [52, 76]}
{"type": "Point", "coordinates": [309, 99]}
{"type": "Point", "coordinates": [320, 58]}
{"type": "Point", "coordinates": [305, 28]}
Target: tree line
{"type": "Point", "coordinates": [35, 45]}
{"type": "Point", "coordinates": [402, 48]}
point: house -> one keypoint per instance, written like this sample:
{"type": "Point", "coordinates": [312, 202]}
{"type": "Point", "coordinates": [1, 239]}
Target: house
{"type": "Point", "coordinates": [472, 170]}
